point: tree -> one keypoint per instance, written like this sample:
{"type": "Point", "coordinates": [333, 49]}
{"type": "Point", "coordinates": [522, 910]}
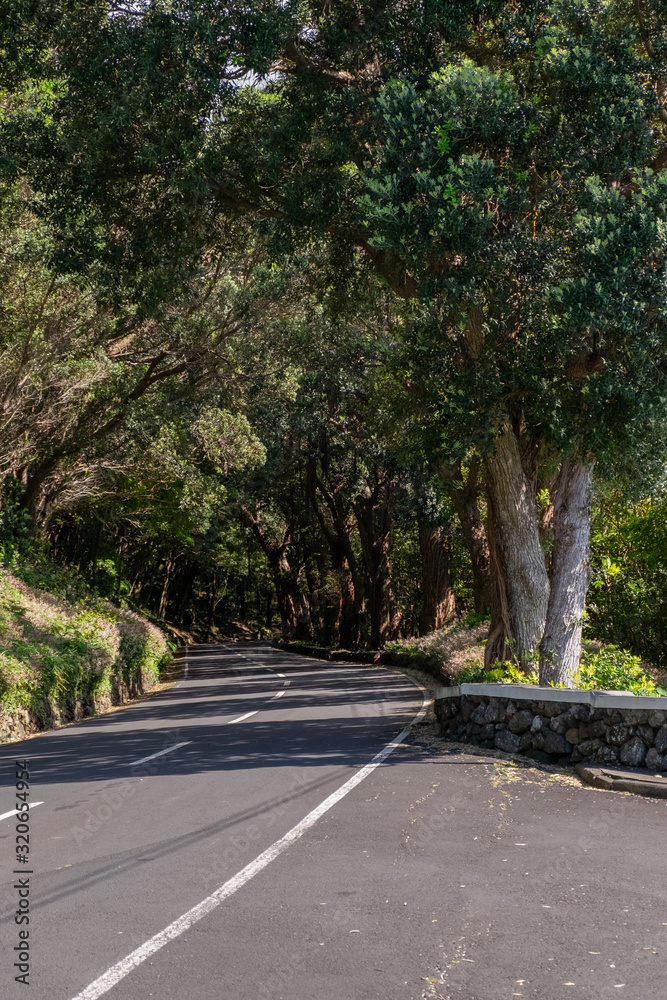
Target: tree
{"type": "Point", "coordinates": [501, 162]}
{"type": "Point", "coordinates": [546, 290]}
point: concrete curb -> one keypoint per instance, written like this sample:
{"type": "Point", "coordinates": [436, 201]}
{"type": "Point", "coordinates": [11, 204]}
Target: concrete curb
{"type": "Point", "coordinates": [624, 780]}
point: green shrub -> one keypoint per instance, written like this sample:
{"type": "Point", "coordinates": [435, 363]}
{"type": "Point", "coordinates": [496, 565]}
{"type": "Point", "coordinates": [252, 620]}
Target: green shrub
{"type": "Point", "coordinates": [609, 669]}
{"type": "Point", "coordinates": [507, 672]}
{"type": "Point", "coordinates": [55, 651]}
{"type": "Point", "coordinates": [472, 673]}
{"type": "Point", "coordinates": [14, 522]}
{"type": "Point", "coordinates": [474, 618]}
{"type": "Point", "coordinates": [614, 669]}
{"type": "Point", "coordinates": [627, 601]}
{"type": "Point", "coordinates": [399, 647]}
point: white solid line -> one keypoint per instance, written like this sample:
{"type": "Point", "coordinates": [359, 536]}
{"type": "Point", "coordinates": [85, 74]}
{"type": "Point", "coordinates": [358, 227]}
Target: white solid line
{"type": "Point", "coordinates": [279, 695]}
{"type": "Point", "coordinates": [160, 753]}
{"type": "Point", "coordinates": [121, 969]}
{"type": "Point", "coordinates": [14, 811]}
{"type": "Point", "coordinates": [242, 717]}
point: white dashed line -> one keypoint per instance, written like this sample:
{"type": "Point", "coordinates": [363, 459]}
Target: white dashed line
{"type": "Point", "coordinates": [286, 684]}
{"type": "Point", "coordinates": [160, 753]}
{"type": "Point", "coordinates": [279, 695]}
{"type": "Point", "coordinates": [242, 717]}
{"type": "Point", "coordinates": [112, 976]}
{"type": "Point", "coordinates": [13, 812]}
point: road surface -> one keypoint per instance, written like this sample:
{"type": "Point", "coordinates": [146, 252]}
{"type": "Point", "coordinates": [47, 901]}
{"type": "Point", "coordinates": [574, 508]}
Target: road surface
{"type": "Point", "coordinates": [228, 839]}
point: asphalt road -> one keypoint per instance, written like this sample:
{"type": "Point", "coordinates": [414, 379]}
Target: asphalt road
{"type": "Point", "coordinates": [439, 874]}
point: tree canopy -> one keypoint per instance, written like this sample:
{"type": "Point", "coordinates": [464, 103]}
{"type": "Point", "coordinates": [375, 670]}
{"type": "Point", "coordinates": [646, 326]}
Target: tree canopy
{"type": "Point", "coordinates": [480, 184]}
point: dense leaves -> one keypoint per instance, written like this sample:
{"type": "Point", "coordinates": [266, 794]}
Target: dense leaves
{"type": "Point", "coordinates": [270, 268]}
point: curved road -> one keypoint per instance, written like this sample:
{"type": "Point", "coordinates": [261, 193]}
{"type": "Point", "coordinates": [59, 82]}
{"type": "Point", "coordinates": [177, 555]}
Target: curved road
{"type": "Point", "coordinates": [228, 839]}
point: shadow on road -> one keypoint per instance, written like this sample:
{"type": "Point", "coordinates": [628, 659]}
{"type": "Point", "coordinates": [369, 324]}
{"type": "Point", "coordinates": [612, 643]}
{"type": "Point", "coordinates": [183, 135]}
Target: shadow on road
{"type": "Point", "coordinates": [338, 714]}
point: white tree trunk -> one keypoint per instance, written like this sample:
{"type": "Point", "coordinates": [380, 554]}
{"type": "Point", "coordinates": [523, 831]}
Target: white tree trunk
{"type": "Point", "coordinates": [560, 648]}
{"type": "Point", "coordinates": [520, 556]}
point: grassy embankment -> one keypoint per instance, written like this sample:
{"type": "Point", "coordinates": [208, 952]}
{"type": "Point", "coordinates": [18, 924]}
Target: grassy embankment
{"type": "Point", "coordinates": [66, 653]}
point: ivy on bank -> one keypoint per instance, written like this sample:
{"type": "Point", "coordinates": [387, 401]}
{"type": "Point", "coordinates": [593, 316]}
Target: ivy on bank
{"type": "Point", "coordinates": [66, 655]}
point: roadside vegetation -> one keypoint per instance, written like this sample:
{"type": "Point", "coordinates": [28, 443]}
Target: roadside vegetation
{"type": "Point", "coordinates": [66, 653]}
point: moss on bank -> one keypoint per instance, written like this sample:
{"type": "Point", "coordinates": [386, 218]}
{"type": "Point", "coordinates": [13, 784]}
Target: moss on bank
{"type": "Point", "coordinates": [62, 658]}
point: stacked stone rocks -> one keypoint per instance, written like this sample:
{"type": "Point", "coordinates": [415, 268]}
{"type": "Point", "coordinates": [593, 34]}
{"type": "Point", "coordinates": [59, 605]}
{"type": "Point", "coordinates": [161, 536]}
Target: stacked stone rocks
{"type": "Point", "coordinates": [15, 725]}
{"type": "Point", "coordinates": [558, 732]}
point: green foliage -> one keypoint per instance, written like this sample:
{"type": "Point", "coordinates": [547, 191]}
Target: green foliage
{"type": "Point", "coordinates": [472, 673]}
{"type": "Point", "coordinates": [14, 522]}
{"type": "Point", "coordinates": [560, 267]}
{"type": "Point", "coordinates": [627, 603]}
{"type": "Point", "coordinates": [167, 366]}
{"type": "Point", "coordinates": [474, 618]}
{"type": "Point", "coordinates": [609, 669]}
{"type": "Point", "coordinates": [398, 647]}
{"type": "Point", "coordinates": [58, 651]}
{"type": "Point", "coordinates": [506, 672]}
{"type": "Point", "coordinates": [614, 669]}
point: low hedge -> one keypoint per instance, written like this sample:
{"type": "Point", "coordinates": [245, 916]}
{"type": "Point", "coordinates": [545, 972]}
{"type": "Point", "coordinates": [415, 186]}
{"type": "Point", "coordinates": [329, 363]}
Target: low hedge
{"type": "Point", "coordinates": [387, 657]}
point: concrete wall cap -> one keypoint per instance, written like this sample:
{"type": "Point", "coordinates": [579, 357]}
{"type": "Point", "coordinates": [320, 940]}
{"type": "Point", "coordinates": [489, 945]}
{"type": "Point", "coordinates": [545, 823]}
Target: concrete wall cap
{"type": "Point", "coordinates": [574, 696]}
{"type": "Point", "coordinates": [446, 692]}
{"type": "Point", "coordinates": [625, 699]}
{"type": "Point", "coordinates": [528, 692]}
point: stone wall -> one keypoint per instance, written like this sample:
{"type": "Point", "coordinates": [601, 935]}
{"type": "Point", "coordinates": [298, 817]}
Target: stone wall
{"type": "Point", "coordinates": [592, 730]}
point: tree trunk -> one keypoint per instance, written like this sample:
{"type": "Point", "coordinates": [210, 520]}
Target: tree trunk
{"type": "Point", "coordinates": [312, 582]}
{"type": "Point", "coordinates": [212, 602]}
{"type": "Point", "coordinates": [498, 646]}
{"type": "Point", "coordinates": [560, 648]}
{"type": "Point", "coordinates": [520, 560]}
{"type": "Point", "coordinates": [243, 614]}
{"type": "Point", "coordinates": [164, 597]}
{"type": "Point", "coordinates": [32, 500]}
{"type": "Point", "coordinates": [381, 597]}
{"type": "Point", "coordinates": [292, 603]}
{"type": "Point", "coordinates": [374, 522]}
{"type": "Point", "coordinates": [351, 614]}
{"type": "Point", "coordinates": [438, 604]}
{"type": "Point", "coordinates": [348, 613]}
{"type": "Point", "coordinates": [185, 587]}
{"type": "Point", "coordinates": [465, 501]}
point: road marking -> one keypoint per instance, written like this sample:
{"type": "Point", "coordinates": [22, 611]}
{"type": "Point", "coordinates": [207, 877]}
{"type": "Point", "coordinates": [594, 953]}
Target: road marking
{"type": "Point", "coordinates": [13, 812]}
{"type": "Point", "coordinates": [286, 684]}
{"type": "Point", "coordinates": [108, 979]}
{"type": "Point", "coordinates": [160, 753]}
{"type": "Point", "coordinates": [281, 675]}
{"type": "Point", "coordinates": [279, 695]}
{"type": "Point", "coordinates": [242, 717]}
